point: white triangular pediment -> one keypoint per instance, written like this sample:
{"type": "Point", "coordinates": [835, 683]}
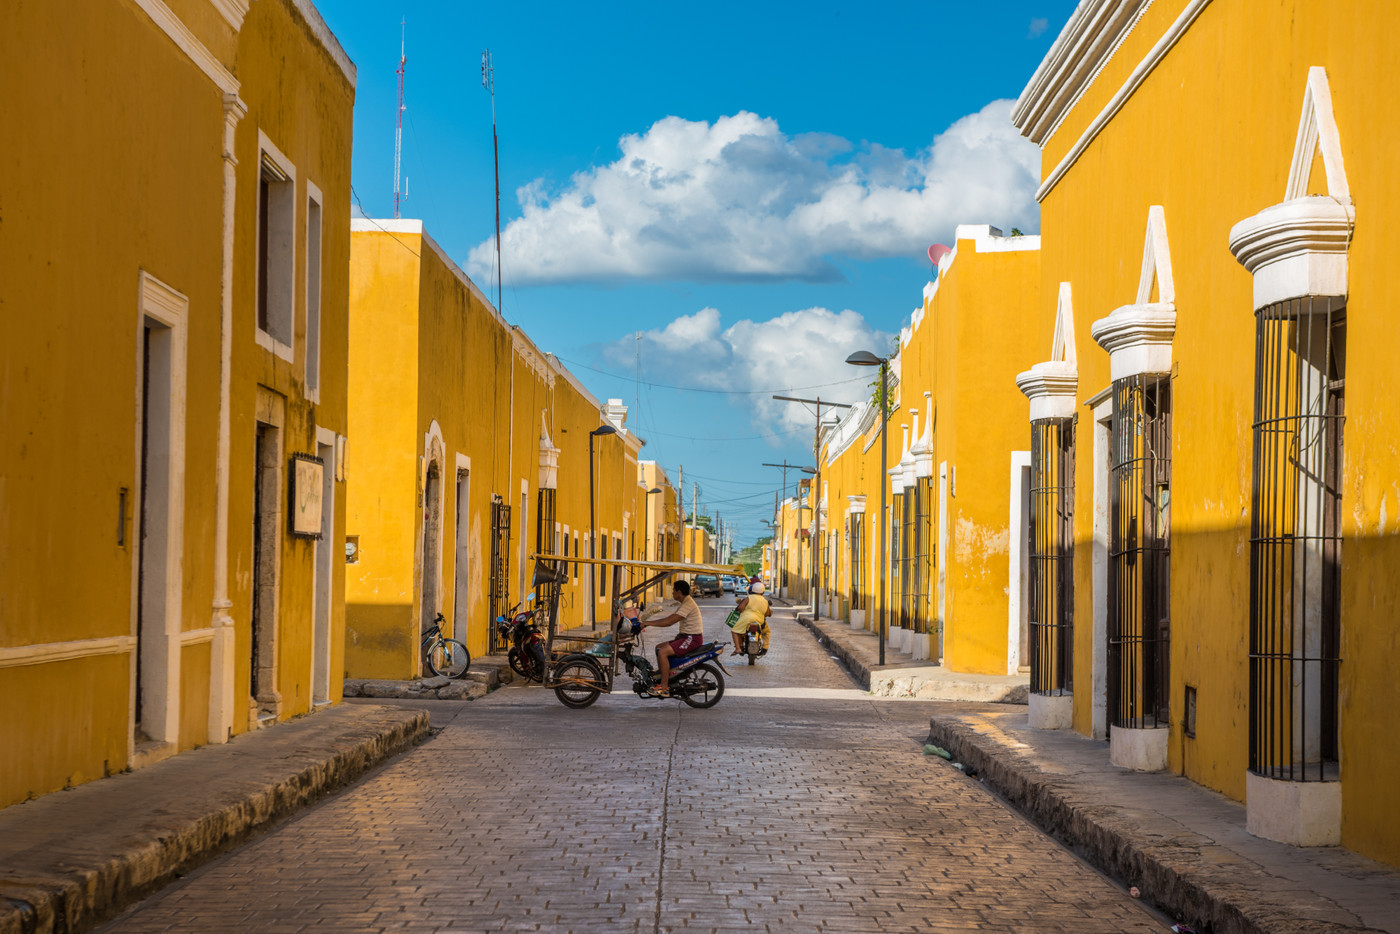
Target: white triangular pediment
{"type": "Point", "coordinates": [1062, 346]}
{"type": "Point", "coordinates": [1317, 132]}
{"type": "Point", "coordinates": [1156, 261]}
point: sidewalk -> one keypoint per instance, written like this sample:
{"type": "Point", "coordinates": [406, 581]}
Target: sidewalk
{"type": "Point", "coordinates": [901, 676]}
{"type": "Point", "coordinates": [70, 859]}
{"type": "Point", "coordinates": [486, 673]}
{"type": "Point", "coordinates": [1183, 846]}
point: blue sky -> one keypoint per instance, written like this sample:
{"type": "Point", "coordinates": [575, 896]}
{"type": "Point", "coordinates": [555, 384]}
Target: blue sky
{"type": "Point", "coordinates": [751, 187]}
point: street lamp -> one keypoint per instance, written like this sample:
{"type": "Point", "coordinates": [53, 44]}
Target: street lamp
{"type": "Point", "coordinates": [592, 517]}
{"type": "Point", "coordinates": [866, 358]}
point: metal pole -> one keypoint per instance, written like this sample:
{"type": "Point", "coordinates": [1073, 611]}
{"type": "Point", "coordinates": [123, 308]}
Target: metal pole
{"type": "Point", "coordinates": [592, 538]}
{"type": "Point", "coordinates": [884, 492]}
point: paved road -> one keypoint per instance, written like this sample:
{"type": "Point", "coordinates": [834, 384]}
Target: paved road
{"type": "Point", "coordinates": [797, 804]}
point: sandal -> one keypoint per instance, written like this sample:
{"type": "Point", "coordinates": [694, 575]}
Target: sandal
{"type": "Point", "coordinates": [655, 691]}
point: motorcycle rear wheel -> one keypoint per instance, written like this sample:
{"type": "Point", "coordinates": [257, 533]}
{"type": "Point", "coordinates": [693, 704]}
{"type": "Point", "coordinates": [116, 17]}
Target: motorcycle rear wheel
{"type": "Point", "coordinates": [703, 688]}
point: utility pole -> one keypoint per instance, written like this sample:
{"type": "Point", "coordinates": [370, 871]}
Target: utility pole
{"type": "Point", "coordinates": [488, 81]}
{"type": "Point", "coordinates": [680, 505]}
{"type": "Point", "coordinates": [695, 510]}
{"type": "Point", "coordinates": [781, 589]}
{"type": "Point", "coordinates": [816, 506]}
{"type": "Point", "coordinates": [398, 127]}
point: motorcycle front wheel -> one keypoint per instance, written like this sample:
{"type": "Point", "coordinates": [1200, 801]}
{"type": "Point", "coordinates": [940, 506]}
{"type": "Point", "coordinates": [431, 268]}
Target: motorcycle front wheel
{"type": "Point", "coordinates": [517, 663]}
{"type": "Point", "coordinates": [579, 681]}
{"type": "Point", "coordinates": [703, 688]}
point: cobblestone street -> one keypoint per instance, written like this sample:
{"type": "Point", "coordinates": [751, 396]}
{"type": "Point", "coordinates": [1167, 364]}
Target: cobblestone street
{"type": "Point", "coordinates": [796, 804]}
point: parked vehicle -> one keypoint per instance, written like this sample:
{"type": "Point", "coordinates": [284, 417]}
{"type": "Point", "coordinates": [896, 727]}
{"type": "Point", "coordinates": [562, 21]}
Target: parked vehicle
{"type": "Point", "coordinates": [526, 653]}
{"type": "Point", "coordinates": [707, 585]}
{"type": "Point", "coordinates": [444, 657]}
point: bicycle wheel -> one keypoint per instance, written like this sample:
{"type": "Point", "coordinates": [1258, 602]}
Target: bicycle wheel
{"type": "Point", "coordinates": [449, 659]}
{"type": "Point", "coordinates": [579, 681]}
{"type": "Point", "coordinates": [703, 688]}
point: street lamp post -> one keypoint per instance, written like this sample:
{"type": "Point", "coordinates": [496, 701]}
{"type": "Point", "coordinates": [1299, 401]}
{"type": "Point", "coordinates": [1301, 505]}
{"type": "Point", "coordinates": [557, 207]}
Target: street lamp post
{"type": "Point", "coordinates": [651, 528]}
{"type": "Point", "coordinates": [593, 519]}
{"type": "Point", "coordinates": [866, 358]}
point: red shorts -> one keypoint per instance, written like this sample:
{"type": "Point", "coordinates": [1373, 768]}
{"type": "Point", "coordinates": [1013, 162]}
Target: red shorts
{"type": "Point", "coordinates": [686, 644]}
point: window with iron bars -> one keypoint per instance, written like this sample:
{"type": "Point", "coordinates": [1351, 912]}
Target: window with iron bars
{"type": "Point", "coordinates": [1051, 588]}
{"type": "Point", "coordinates": [546, 542]}
{"type": "Point", "coordinates": [918, 537]}
{"type": "Point", "coordinates": [857, 575]}
{"type": "Point", "coordinates": [1295, 540]}
{"type": "Point", "coordinates": [500, 566]}
{"type": "Point", "coordinates": [896, 526]}
{"type": "Point", "coordinates": [1139, 595]}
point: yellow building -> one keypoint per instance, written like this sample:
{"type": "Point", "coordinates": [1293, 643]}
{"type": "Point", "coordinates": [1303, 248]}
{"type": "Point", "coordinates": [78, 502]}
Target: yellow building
{"type": "Point", "coordinates": [475, 454]}
{"type": "Point", "coordinates": [660, 518]}
{"type": "Point", "coordinates": [1217, 407]}
{"type": "Point", "coordinates": [180, 244]}
{"type": "Point", "coordinates": [957, 484]}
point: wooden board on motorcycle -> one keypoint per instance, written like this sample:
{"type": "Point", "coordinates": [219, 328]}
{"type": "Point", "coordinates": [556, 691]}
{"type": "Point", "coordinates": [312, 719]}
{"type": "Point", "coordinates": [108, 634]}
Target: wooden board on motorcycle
{"type": "Point", "coordinates": [583, 662]}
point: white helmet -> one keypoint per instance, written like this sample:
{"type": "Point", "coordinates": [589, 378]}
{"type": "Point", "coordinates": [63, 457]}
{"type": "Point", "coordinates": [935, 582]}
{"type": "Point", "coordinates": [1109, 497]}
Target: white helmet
{"type": "Point", "coordinates": [756, 587]}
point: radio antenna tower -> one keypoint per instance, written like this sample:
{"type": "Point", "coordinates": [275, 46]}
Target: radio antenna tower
{"type": "Point", "coordinates": [398, 128]}
{"type": "Point", "coordinates": [488, 81]}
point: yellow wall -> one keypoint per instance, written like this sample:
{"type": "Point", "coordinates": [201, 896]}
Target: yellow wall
{"type": "Point", "coordinates": [1209, 136]}
{"type": "Point", "coordinates": [93, 103]}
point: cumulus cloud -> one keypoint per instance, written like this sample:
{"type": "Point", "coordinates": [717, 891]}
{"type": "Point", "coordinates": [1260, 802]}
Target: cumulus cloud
{"type": "Point", "coordinates": [803, 348]}
{"type": "Point", "coordinates": [738, 199]}
{"type": "Point", "coordinates": [1038, 25]}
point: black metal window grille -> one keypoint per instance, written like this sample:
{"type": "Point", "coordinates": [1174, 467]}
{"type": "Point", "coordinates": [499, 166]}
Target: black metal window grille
{"type": "Point", "coordinates": [857, 575]}
{"type": "Point", "coordinates": [546, 541]}
{"type": "Point", "coordinates": [1295, 540]}
{"type": "Point", "coordinates": [1051, 584]}
{"type": "Point", "coordinates": [1139, 595]}
{"type": "Point", "coordinates": [919, 537]}
{"type": "Point", "coordinates": [500, 566]}
{"type": "Point", "coordinates": [895, 587]}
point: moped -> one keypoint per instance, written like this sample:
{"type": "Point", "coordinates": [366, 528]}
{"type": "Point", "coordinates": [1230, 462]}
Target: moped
{"type": "Point", "coordinates": [526, 654]}
{"type": "Point", "coordinates": [694, 680]}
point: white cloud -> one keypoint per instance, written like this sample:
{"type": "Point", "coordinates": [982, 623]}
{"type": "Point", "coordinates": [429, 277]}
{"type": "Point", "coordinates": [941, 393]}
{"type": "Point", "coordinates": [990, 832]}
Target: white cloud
{"type": "Point", "coordinates": [1038, 25]}
{"type": "Point", "coordinates": [739, 199]}
{"type": "Point", "coordinates": [795, 350]}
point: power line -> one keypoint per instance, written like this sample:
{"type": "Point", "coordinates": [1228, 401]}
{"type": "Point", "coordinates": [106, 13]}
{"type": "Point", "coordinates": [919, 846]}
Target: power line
{"type": "Point", "coordinates": [719, 392]}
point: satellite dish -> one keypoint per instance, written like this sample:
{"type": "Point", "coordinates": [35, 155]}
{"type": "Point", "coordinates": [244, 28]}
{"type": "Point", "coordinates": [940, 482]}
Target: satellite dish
{"type": "Point", "coordinates": [937, 252]}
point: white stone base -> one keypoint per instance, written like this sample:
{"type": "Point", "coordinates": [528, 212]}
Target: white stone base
{"type": "Point", "coordinates": [1051, 711]}
{"type": "Point", "coordinates": [1296, 813]}
{"type": "Point", "coordinates": [857, 619]}
{"type": "Point", "coordinates": [1142, 750]}
{"type": "Point", "coordinates": [906, 641]}
{"type": "Point", "coordinates": [919, 646]}
{"type": "Point", "coordinates": [895, 637]}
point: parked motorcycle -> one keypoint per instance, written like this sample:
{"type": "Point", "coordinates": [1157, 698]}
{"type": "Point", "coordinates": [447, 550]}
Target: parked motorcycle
{"type": "Point", "coordinates": [526, 653]}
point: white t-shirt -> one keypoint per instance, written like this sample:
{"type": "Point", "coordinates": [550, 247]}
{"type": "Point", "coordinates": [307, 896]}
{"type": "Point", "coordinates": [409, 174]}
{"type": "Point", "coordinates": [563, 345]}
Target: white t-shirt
{"type": "Point", "coordinates": [689, 612]}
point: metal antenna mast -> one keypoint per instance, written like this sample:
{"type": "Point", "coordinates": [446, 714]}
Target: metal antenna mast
{"type": "Point", "coordinates": [398, 127]}
{"type": "Point", "coordinates": [488, 81]}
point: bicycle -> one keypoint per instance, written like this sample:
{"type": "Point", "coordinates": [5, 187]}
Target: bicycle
{"type": "Point", "coordinates": [444, 657]}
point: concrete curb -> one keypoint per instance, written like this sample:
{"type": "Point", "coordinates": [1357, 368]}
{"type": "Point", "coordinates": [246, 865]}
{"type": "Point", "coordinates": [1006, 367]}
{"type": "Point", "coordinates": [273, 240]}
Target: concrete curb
{"type": "Point", "coordinates": [848, 659]}
{"type": "Point", "coordinates": [1225, 896]}
{"type": "Point", "coordinates": [70, 860]}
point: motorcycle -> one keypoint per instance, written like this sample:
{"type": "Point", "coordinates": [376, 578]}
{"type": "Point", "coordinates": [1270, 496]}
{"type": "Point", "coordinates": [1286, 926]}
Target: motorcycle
{"type": "Point", "coordinates": [526, 653]}
{"type": "Point", "coordinates": [694, 680]}
{"type": "Point", "coordinates": [751, 639]}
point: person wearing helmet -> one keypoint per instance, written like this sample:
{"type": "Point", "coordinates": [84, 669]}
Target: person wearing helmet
{"type": "Point", "coordinates": [753, 609]}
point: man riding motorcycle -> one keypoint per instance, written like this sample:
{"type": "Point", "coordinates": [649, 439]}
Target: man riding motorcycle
{"type": "Point", "coordinates": [753, 610]}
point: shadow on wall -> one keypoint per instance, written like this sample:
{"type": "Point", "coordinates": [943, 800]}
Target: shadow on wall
{"type": "Point", "coordinates": [379, 640]}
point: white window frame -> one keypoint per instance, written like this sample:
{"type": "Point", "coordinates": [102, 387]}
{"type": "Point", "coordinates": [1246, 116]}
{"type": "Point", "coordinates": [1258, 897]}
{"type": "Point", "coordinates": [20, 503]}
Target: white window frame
{"type": "Point", "coordinates": [315, 260]}
{"type": "Point", "coordinates": [269, 155]}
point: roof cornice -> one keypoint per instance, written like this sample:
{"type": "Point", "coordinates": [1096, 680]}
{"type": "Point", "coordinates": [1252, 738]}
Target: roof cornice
{"type": "Point", "coordinates": [1093, 34]}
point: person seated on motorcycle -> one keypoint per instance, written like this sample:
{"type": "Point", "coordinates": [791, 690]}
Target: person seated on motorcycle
{"type": "Point", "coordinates": [753, 610]}
{"type": "Point", "coordinates": [690, 636]}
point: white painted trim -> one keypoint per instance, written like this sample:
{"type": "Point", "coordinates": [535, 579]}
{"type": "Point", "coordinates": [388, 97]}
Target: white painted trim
{"type": "Point", "coordinates": [1017, 568]}
{"type": "Point", "coordinates": [1156, 260]}
{"type": "Point", "coordinates": [323, 34]}
{"type": "Point", "coordinates": [1087, 43]}
{"type": "Point", "coordinates": [264, 339]}
{"type": "Point", "coordinates": [943, 559]}
{"type": "Point", "coordinates": [161, 651]}
{"type": "Point", "coordinates": [1138, 337]}
{"type": "Point", "coordinates": [329, 549]}
{"type": "Point", "coordinates": [1098, 671]}
{"type": "Point", "coordinates": [170, 24]}
{"type": "Point", "coordinates": [232, 11]}
{"type": "Point", "coordinates": [988, 239]}
{"type": "Point", "coordinates": [1144, 68]}
{"type": "Point", "coordinates": [197, 636]}
{"type": "Point", "coordinates": [403, 225]}
{"type": "Point", "coordinates": [434, 451]}
{"type": "Point", "coordinates": [313, 194]}
{"type": "Point", "coordinates": [1051, 386]}
{"type": "Point", "coordinates": [1317, 129]}
{"type": "Point", "coordinates": [45, 653]}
